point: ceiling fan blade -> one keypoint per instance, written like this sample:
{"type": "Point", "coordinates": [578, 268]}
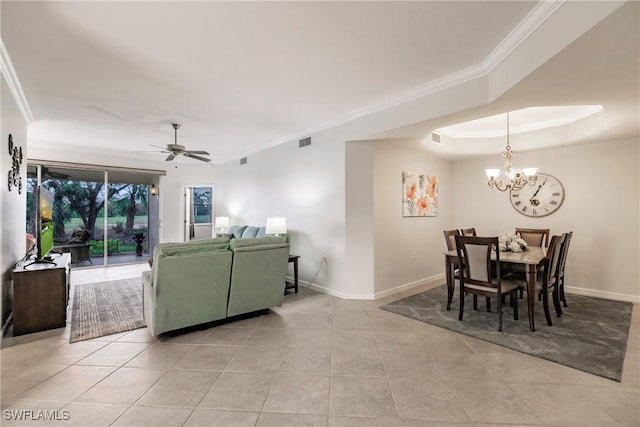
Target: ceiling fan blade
{"type": "Point", "coordinates": [193, 156]}
{"type": "Point", "coordinates": [157, 146]}
{"type": "Point", "coordinates": [198, 152]}
{"type": "Point", "coordinates": [170, 157]}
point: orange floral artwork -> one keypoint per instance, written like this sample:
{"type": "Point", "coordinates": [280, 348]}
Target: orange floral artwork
{"type": "Point", "coordinates": [419, 194]}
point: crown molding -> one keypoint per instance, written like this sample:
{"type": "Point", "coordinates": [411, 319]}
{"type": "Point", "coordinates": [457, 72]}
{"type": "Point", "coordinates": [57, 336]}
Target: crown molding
{"type": "Point", "coordinates": [10, 76]}
{"type": "Point", "coordinates": [542, 11]}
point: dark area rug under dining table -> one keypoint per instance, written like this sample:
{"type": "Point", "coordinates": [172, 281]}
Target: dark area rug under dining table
{"type": "Point", "coordinates": [590, 336]}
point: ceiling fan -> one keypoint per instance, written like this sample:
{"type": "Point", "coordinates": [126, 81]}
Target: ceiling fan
{"type": "Point", "coordinates": [176, 149]}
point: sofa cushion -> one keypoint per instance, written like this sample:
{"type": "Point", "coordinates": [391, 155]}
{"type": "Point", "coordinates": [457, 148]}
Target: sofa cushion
{"type": "Point", "coordinates": [237, 230]}
{"type": "Point", "coordinates": [261, 232]}
{"type": "Point", "coordinates": [250, 232]}
{"type": "Point", "coordinates": [194, 246]}
{"type": "Point", "coordinates": [257, 241]}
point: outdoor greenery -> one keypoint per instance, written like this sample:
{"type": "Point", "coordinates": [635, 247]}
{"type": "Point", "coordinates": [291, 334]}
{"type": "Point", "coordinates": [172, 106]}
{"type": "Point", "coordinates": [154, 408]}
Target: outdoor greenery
{"type": "Point", "coordinates": [81, 205]}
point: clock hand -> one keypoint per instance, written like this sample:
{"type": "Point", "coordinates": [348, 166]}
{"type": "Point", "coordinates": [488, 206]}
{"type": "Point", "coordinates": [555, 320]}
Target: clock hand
{"type": "Point", "coordinates": [539, 187]}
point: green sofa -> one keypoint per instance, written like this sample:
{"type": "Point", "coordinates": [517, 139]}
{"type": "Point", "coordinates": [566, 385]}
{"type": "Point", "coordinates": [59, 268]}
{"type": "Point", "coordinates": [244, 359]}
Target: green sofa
{"type": "Point", "coordinates": [211, 279]}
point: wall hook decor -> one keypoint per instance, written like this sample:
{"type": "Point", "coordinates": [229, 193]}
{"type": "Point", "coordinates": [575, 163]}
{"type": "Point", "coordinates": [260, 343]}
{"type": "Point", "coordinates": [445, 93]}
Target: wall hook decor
{"type": "Point", "coordinates": [15, 180]}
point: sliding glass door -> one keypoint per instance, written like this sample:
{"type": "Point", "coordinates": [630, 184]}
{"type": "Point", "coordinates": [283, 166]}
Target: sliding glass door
{"type": "Point", "coordinates": [100, 217]}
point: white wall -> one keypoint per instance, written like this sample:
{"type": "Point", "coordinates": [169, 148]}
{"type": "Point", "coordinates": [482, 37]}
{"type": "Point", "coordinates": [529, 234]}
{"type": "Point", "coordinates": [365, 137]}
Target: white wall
{"type": "Point", "coordinates": [601, 207]}
{"type": "Point", "coordinates": [304, 185]}
{"type": "Point", "coordinates": [12, 204]}
{"type": "Point", "coordinates": [408, 250]}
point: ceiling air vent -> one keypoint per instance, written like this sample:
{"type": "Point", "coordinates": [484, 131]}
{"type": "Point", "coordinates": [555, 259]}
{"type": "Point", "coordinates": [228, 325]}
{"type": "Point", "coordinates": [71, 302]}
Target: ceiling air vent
{"type": "Point", "coordinates": [435, 138]}
{"type": "Point", "coordinates": [304, 142]}
{"type": "Point", "coordinates": [243, 161]}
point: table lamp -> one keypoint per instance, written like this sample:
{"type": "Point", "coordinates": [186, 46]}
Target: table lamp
{"type": "Point", "coordinates": [276, 225]}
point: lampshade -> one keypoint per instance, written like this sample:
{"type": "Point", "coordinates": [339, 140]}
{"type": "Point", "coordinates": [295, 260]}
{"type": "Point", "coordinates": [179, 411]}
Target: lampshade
{"type": "Point", "coordinates": [222, 222]}
{"type": "Point", "coordinates": [276, 225]}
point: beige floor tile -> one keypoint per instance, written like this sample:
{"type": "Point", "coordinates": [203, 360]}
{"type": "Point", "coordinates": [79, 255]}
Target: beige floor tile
{"type": "Point", "coordinates": [138, 335]}
{"type": "Point", "coordinates": [486, 401]}
{"type": "Point", "coordinates": [307, 360]}
{"type": "Point", "coordinates": [179, 388]}
{"type": "Point", "coordinates": [579, 404]}
{"type": "Point", "coordinates": [309, 338]}
{"type": "Point", "coordinates": [194, 337]}
{"type": "Point", "coordinates": [244, 322]}
{"type": "Point", "coordinates": [90, 414]}
{"type": "Point", "coordinates": [268, 419]}
{"type": "Point", "coordinates": [219, 418]}
{"type": "Point", "coordinates": [465, 366]}
{"type": "Point", "coordinates": [256, 359]}
{"type": "Point", "coordinates": [122, 387]}
{"type": "Point", "coordinates": [238, 390]}
{"type": "Point", "coordinates": [272, 337]}
{"type": "Point", "coordinates": [361, 397]}
{"type": "Point", "coordinates": [153, 416]}
{"type": "Point", "coordinates": [227, 336]}
{"type": "Point", "coordinates": [72, 353]}
{"type": "Point", "coordinates": [304, 394]}
{"type": "Point", "coordinates": [356, 362]}
{"type": "Point", "coordinates": [352, 321]}
{"type": "Point", "coordinates": [426, 399]}
{"type": "Point", "coordinates": [160, 356]}
{"type": "Point", "coordinates": [354, 339]}
{"type": "Point", "coordinates": [114, 354]}
{"type": "Point", "coordinates": [29, 412]}
{"type": "Point", "coordinates": [208, 357]}
{"type": "Point", "coordinates": [336, 421]}
{"type": "Point", "coordinates": [398, 364]}
{"type": "Point", "coordinates": [17, 380]}
{"type": "Point", "coordinates": [68, 384]}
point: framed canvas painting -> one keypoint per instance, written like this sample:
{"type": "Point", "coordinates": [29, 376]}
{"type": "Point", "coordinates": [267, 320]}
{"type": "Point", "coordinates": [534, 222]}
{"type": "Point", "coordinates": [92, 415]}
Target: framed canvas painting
{"type": "Point", "coordinates": [419, 195]}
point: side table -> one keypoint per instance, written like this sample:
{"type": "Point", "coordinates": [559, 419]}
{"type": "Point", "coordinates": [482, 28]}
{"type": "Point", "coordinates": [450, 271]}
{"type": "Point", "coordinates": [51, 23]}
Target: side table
{"type": "Point", "coordinates": [294, 285]}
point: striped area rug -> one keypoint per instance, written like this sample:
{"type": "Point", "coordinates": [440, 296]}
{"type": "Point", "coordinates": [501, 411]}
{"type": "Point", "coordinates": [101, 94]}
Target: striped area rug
{"type": "Point", "coordinates": [106, 308]}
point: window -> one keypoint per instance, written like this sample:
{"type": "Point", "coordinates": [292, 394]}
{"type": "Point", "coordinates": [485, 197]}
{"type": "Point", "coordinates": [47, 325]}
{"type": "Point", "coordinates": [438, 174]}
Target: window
{"type": "Point", "coordinates": [202, 205]}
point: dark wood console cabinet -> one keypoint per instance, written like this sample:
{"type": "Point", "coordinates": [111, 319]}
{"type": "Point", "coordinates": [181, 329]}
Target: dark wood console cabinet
{"type": "Point", "coordinates": [40, 295]}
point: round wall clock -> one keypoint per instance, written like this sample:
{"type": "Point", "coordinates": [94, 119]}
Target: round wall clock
{"type": "Point", "coordinates": [541, 199]}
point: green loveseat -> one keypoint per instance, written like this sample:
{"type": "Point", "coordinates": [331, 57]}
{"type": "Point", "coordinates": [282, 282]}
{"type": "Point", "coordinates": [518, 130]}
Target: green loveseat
{"type": "Point", "coordinates": [206, 280]}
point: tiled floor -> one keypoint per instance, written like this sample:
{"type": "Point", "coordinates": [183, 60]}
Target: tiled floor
{"type": "Point", "coordinates": [316, 361]}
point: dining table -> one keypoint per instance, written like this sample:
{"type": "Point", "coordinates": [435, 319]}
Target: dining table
{"type": "Point", "coordinates": [531, 258]}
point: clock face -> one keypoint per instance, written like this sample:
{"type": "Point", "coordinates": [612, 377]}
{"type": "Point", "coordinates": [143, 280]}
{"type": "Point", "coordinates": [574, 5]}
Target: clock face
{"type": "Point", "coordinates": [541, 199]}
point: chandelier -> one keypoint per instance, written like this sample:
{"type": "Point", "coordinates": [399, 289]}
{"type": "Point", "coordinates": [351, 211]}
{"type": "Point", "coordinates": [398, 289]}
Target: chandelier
{"type": "Point", "coordinates": [508, 177]}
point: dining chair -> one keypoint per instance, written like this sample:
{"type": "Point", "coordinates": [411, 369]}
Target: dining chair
{"type": "Point", "coordinates": [534, 236]}
{"type": "Point", "coordinates": [549, 282]}
{"type": "Point", "coordinates": [468, 231]}
{"type": "Point", "coordinates": [564, 250]}
{"type": "Point", "coordinates": [450, 237]}
{"type": "Point", "coordinates": [477, 277]}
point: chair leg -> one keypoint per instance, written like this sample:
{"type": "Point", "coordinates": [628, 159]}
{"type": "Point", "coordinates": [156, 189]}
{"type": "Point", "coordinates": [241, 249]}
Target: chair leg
{"type": "Point", "coordinates": [499, 303]}
{"type": "Point", "coordinates": [461, 301]}
{"type": "Point", "coordinates": [488, 304]}
{"type": "Point", "coordinates": [475, 302]}
{"type": "Point", "coordinates": [562, 297]}
{"type": "Point", "coordinates": [514, 304]}
{"type": "Point", "coordinates": [556, 302]}
{"type": "Point", "coordinates": [545, 303]}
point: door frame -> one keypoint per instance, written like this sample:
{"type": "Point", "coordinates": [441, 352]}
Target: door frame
{"type": "Point", "coordinates": [182, 192]}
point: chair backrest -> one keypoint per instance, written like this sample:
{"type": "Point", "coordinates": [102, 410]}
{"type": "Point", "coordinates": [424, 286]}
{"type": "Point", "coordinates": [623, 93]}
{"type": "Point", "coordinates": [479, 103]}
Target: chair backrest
{"type": "Point", "coordinates": [552, 263]}
{"type": "Point", "coordinates": [450, 238]}
{"type": "Point", "coordinates": [564, 249]}
{"type": "Point", "coordinates": [468, 231]}
{"type": "Point", "coordinates": [534, 236]}
{"type": "Point", "coordinates": [474, 258]}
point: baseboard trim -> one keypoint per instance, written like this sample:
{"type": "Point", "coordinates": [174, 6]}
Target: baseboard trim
{"type": "Point", "coordinates": [602, 294]}
{"type": "Point", "coordinates": [433, 280]}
